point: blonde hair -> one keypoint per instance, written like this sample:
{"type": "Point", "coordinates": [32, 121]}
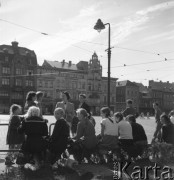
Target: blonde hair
{"type": "Point", "coordinates": [62, 112]}
{"type": "Point", "coordinates": [33, 111]}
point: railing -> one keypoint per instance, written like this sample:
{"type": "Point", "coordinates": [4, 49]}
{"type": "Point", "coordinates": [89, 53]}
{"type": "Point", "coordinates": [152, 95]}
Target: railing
{"type": "Point", "coordinates": [3, 134]}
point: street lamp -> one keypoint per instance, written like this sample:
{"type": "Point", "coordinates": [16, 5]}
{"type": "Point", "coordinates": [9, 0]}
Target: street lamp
{"type": "Point", "coordinates": [100, 26]}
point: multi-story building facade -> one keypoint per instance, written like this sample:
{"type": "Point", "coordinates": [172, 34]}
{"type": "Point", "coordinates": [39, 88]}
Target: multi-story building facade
{"type": "Point", "coordinates": [126, 90]}
{"type": "Point", "coordinates": [17, 68]}
{"type": "Point", "coordinates": [163, 93]}
{"type": "Point", "coordinates": [83, 77]}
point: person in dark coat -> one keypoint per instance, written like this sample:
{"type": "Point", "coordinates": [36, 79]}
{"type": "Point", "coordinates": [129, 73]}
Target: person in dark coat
{"type": "Point", "coordinates": [59, 137]}
{"type": "Point", "coordinates": [139, 135]}
{"type": "Point", "coordinates": [35, 129]}
{"type": "Point", "coordinates": [129, 109]}
{"type": "Point", "coordinates": [14, 140]}
{"type": "Point", "coordinates": [30, 100]}
{"type": "Point", "coordinates": [83, 104]}
{"type": "Point", "coordinates": [167, 129]}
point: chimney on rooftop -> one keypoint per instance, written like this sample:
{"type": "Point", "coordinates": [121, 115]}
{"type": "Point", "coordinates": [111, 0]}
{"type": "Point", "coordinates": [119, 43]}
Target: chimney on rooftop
{"type": "Point", "coordinates": [63, 62]}
{"type": "Point", "coordinates": [70, 63]}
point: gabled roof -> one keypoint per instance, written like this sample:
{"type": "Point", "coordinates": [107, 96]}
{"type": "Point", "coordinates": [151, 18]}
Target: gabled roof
{"type": "Point", "coordinates": [60, 65]}
{"type": "Point", "coordinates": [125, 83]}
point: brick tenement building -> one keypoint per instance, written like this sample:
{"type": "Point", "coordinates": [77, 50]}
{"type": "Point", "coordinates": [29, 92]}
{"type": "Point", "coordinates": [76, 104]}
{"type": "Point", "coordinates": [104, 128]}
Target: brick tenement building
{"type": "Point", "coordinates": [17, 66]}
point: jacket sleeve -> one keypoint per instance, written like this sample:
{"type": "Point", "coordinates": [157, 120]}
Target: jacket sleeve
{"type": "Point", "coordinates": [57, 130]}
{"type": "Point", "coordinates": [80, 131]}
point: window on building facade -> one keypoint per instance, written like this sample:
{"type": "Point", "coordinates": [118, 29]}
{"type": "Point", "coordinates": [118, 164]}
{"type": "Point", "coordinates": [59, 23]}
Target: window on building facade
{"type": "Point", "coordinates": [46, 84]}
{"type": "Point", "coordinates": [29, 83]}
{"type": "Point", "coordinates": [17, 95]}
{"type": "Point", "coordinates": [18, 82]}
{"type": "Point", "coordinates": [18, 71]}
{"type": "Point", "coordinates": [104, 99]}
{"type": "Point", "coordinates": [4, 94]}
{"type": "Point", "coordinates": [29, 72]}
{"type": "Point", "coordinates": [5, 70]}
{"type": "Point", "coordinates": [83, 85]}
{"type": "Point", "coordinates": [51, 84]}
{"type": "Point", "coordinates": [113, 99]}
{"type": "Point", "coordinates": [6, 59]}
{"type": "Point", "coordinates": [40, 83]}
{"type": "Point", "coordinates": [5, 81]}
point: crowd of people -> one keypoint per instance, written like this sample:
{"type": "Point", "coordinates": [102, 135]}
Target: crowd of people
{"type": "Point", "coordinates": [118, 130]}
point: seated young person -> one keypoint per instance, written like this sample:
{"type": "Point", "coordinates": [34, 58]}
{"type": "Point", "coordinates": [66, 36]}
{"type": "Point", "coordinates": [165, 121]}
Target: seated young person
{"type": "Point", "coordinates": [167, 129]}
{"type": "Point", "coordinates": [59, 137]}
{"type": "Point", "coordinates": [124, 132]}
{"type": "Point", "coordinates": [109, 130]}
{"type": "Point", "coordinates": [85, 136]}
{"type": "Point", "coordinates": [139, 135]}
{"type": "Point", "coordinates": [35, 128]}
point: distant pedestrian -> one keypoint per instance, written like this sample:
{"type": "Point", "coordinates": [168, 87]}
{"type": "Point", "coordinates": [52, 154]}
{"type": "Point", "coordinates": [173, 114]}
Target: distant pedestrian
{"type": "Point", "coordinates": [148, 115]}
{"type": "Point", "coordinates": [30, 100]}
{"type": "Point", "coordinates": [129, 109]}
{"type": "Point", "coordinates": [158, 112]}
{"type": "Point", "coordinates": [167, 129]}
{"type": "Point", "coordinates": [39, 97]}
{"type": "Point", "coordinates": [14, 140]}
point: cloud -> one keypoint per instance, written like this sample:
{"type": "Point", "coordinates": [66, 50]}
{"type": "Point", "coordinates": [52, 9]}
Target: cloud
{"type": "Point", "coordinates": [158, 7]}
{"type": "Point", "coordinates": [133, 24]}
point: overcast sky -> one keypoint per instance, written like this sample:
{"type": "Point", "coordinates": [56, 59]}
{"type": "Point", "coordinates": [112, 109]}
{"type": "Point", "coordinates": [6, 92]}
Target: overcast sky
{"type": "Point", "coordinates": [142, 33]}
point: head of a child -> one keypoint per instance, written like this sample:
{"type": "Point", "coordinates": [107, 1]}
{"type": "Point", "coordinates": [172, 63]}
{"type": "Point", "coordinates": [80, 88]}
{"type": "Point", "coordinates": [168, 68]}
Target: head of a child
{"type": "Point", "coordinates": [15, 109]}
{"type": "Point", "coordinates": [59, 113]}
{"type": "Point", "coordinates": [105, 112]}
{"type": "Point", "coordinates": [118, 116]}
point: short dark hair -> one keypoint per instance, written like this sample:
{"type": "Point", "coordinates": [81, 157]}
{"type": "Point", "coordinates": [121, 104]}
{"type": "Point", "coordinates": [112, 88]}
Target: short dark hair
{"type": "Point", "coordinates": [129, 101]}
{"type": "Point", "coordinates": [30, 95]}
{"type": "Point", "coordinates": [39, 94]}
{"type": "Point", "coordinates": [83, 95]}
{"type": "Point", "coordinates": [166, 118]}
{"type": "Point", "coordinates": [118, 115]}
{"type": "Point", "coordinates": [67, 95]}
{"type": "Point", "coordinates": [131, 118]}
{"type": "Point", "coordinates": [106, 111]}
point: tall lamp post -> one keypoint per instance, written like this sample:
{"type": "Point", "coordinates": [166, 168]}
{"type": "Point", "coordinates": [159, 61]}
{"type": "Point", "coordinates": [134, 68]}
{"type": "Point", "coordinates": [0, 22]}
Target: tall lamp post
{"type": "Point", "coordinates": [100, 26]}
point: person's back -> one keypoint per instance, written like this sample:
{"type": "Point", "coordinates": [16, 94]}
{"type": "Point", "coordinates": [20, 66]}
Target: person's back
{"type": "Point", "coordinates": [168, 133]}
{"type": "Point", "coordinates": [124, 130]}
{"type": "Point", "coordinates": [110, 127]}
{"type": "Point", "coordinates": [87, 131]}
{"type": "Point", "coordinates": [138, 132]}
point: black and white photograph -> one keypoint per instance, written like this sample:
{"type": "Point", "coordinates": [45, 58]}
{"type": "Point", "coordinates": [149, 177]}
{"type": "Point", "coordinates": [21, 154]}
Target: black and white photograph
{"type": "Point", "coordinates": [86, 89]}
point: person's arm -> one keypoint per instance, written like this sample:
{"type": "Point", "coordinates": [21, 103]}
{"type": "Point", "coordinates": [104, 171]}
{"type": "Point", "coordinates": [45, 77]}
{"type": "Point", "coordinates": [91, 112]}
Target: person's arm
{"type": "Point", "coordinates": [124, 112]}
{"type": "Point", "coordinates": [80, 131]}
{"type": "Point", "coordinates": [102, 130]}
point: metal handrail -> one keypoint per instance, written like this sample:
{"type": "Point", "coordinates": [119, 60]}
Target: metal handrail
{"type": "Point", "coordinates": [18, 150]}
